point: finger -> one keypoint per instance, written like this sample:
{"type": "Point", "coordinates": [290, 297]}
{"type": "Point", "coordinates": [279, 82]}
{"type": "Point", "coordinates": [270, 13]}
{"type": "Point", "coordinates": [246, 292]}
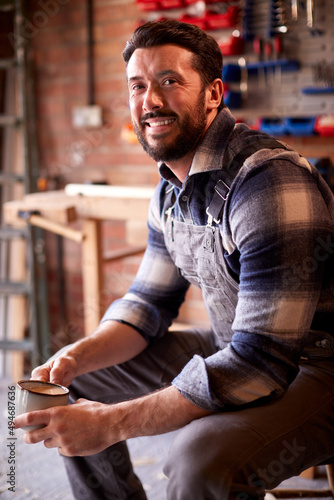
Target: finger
{"type": "Point", "coordinates": [41, 373]}
{"type": "Point", "coordinates": [38, 417]}
{"type": "Point", "coordinates": [20, 420]}
{"type": "Point", "coordinates": [39, 435]}
{"type": "Point", "coordinates": [57, 373]}
{"type": "Point", "coordinates": [51, 443]}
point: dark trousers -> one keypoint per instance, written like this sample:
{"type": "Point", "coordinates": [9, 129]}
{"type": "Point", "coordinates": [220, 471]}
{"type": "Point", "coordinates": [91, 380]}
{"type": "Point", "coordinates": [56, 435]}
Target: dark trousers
{"type": "Point", "coordinates": [230, 455]}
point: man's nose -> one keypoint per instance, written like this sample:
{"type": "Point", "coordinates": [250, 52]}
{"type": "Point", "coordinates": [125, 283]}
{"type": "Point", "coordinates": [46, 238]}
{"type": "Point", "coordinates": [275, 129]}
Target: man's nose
{"type": "Point", "coordinates": [153, 99]}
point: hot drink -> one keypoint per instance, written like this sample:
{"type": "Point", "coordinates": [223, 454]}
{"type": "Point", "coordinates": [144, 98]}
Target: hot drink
{"type": "Point", "coordinates": [46, 389]}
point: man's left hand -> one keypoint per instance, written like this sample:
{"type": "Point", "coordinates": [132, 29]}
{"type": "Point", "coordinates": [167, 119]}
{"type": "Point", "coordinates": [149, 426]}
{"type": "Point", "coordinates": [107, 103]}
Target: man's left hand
{"type": "Point", "coordinates": [79, 429]}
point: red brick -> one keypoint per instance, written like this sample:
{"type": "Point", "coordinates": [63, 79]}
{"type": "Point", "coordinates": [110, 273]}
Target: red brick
{"type": "Point", "coordinates": [110, 86]}
{"type": "Point", "coordinates": [109, 49]}
{"type": "Point", "coordinates": [112, 29]}
{"type": "Point", "coordinates": [71, 14]}
{"type": "Point", "coordinates": [115, 67]}
{"type": "Point", "coordinates": [116, 11]}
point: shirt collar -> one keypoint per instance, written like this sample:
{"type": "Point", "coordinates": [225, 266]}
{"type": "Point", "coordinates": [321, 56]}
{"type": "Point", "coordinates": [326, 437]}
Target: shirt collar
{"type": "Point", "coordinates": [209, 152]}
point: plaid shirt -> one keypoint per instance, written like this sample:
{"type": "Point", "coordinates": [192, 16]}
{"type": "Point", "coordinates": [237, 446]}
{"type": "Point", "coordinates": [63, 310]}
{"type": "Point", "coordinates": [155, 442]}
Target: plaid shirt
{"type": "Point", "coordinates": [276, 230]}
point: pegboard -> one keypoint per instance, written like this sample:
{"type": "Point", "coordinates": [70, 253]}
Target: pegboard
{"type": "Point", "coordinates": [309, 90]}
{"type": "Point", "coordinates": [302, 86]}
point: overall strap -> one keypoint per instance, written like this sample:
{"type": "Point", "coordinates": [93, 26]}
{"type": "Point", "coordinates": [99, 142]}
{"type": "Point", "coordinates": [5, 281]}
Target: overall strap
{"type": "Point", "coordinates": [222, 190]}
{"type": "Point", "coordinates": [169, 200]}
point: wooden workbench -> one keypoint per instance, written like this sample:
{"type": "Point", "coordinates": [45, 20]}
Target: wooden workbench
{"type": "Point", "coordinates": [90, 204]}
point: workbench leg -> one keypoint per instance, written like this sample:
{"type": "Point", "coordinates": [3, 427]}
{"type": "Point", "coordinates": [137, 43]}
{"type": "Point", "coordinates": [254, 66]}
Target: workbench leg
{"type": "Point", "coordinates": [92, 274]}
{"type": "Point", "coordinates": [17, 306]}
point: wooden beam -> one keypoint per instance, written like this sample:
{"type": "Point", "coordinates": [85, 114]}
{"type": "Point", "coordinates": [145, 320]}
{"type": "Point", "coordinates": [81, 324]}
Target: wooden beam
{"type": "Point", "coordinates": [92, 274]}
{"type": "Point", "coordinates": [121, 253]}
{"type": "Point", "coordinates": [54, 227]}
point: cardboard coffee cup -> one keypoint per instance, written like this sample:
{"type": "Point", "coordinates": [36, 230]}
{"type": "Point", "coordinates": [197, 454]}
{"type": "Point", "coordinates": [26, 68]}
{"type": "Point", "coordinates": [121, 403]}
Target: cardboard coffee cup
{"type": "Point", "coordinates": [34, 395]}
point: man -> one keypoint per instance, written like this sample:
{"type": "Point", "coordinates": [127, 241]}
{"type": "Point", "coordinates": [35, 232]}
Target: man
{"type": "Point", "coordinates": [249, 221]}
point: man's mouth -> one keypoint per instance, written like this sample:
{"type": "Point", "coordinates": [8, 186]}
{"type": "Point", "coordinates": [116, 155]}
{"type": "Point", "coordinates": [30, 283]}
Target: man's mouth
{"type": "Point", "coordinates": [153, 120]}
{"type": "Point", "coordinates": [160, 123]}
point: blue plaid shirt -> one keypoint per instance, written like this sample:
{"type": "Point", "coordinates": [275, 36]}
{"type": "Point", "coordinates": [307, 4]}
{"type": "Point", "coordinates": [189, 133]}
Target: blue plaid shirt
{"type": "Point", "coordinates": [276, 230]}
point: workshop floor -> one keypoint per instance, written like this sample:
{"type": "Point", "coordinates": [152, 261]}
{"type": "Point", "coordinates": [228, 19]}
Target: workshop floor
{"type": "Point", "coordinates": [40, 473]}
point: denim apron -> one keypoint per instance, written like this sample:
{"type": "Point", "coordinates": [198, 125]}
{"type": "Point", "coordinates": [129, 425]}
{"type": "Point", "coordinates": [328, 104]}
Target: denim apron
{"type": "Point", "coordinates": [198, 253]}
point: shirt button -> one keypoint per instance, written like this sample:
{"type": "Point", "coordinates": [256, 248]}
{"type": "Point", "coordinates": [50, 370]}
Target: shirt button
{"type": "Point", "coordinates": [184, 198]}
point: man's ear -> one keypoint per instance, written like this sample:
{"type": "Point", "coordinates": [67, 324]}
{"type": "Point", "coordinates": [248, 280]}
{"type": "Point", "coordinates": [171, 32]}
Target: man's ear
{"type": "Point", "coordinates": [215, 94]}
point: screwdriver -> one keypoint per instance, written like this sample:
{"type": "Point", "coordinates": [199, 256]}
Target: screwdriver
{"type": "Point", "coordinates": [277, 48]}
{"type": "Point", "coordinates": [258, 50]}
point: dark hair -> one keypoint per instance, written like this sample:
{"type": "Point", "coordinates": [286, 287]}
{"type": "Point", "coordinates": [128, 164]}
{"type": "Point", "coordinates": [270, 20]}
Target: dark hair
{"type": "Point", "coordinates": [207, 57]}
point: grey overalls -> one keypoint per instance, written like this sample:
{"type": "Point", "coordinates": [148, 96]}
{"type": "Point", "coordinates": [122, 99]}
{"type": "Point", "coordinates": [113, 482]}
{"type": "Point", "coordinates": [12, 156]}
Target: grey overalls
{"type": "Point", "coordinates": [206, 268]}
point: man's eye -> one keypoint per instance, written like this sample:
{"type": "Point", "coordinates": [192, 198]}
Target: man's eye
{"type": "Point", "coordinates": [137, 87]}
{"type": "Point", "coordinates": [169, 81]}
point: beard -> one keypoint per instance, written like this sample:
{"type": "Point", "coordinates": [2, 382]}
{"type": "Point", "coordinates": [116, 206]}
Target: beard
{"type": "Point", "coordinates": [191, 126]}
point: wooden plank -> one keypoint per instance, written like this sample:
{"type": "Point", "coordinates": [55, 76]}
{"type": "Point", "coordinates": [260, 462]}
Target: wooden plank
{"type": "Point", "coordinates": [92, 274]}
{"type": "Point", "coordinates": [18, 306]}
{"type": "Point", "coordinates": [106, 191]}
{"type": "Point", "coordinates": [300, 493]}
{"type": "Point", "coordinates": [309, 473]}
{"type": "Point", "coordinates": [54, 227]}
{"type": "Point", "coordinates": [112, 209]}
{"type": "Point", "coordinates": [61, 211]}
{"type": "Point", "coordinates": [57, 206]}
{"type": "Point", "coordinates": [122, 253]}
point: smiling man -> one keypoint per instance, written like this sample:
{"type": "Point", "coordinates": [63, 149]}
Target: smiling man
{"type": "Point", "coordinates": [249, 221]}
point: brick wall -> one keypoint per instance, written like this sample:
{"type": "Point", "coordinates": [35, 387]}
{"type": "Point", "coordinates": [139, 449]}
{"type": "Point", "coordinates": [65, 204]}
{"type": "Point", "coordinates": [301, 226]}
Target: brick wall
{"type": "Point", "coordinates": [58, 36]}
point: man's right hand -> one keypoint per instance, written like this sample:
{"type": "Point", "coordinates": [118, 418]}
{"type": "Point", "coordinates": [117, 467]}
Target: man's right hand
{"type": "Point", "coordinates": [60, 370]}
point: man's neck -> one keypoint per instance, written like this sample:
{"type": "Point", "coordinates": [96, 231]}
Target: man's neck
{"type": "Point", "coordinates": [180, 168]}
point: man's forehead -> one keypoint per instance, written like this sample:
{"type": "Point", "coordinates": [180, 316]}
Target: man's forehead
{"type": "Point", "coordinates": [161, 58]}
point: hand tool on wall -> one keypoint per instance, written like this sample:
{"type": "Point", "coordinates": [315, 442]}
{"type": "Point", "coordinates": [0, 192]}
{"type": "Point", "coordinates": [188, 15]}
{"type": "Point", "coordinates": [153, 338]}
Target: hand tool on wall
{"type": "Point", "coordinates": [294, 10]}
{"type": "Point", "coordinates": [278, 19]}
{"type": "Point", "coordinates": [270, 69]}
{"type": "Point", "coordinates": [277, 51]}
{"type": "Point", "coordinates": [310, 13]}
{"type": "Point", "coordinates": [243, 77]}
{"type": "Point", "coordinates": [258, 47]}
{"type": "Point", "coordinates": [255, 20]}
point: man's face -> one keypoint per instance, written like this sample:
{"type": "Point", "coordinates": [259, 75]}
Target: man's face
{"type": "Point", "coordinates": [167, 101]}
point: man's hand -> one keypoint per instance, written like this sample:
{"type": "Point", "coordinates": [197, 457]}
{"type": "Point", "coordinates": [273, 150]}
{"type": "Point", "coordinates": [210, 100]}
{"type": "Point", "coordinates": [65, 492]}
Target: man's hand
{"type": "Point", "coordinates": [87, 427]}
{"type": "Point", "coordinates": [111, 343]}
{"type": "Point", "coordinates": [80, 429]}
{"type": "Point", "coordinates": [60, 370]}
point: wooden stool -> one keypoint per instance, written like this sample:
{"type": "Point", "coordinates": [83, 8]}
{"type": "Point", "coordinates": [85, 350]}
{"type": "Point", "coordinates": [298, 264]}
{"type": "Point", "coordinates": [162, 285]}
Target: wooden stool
{"type": "Point", "coordinates": [309, 492]}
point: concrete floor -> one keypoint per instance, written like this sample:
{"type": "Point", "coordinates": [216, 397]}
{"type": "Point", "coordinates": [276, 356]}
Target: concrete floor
{"type": "Point", "coordinates": [40, 473]}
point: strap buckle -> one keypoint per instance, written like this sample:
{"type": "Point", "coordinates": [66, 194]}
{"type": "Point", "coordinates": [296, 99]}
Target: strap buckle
{"type": "Point", "coordinates": [211, 218]}
{"type": "Point", "coordinates": [216, 206]}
